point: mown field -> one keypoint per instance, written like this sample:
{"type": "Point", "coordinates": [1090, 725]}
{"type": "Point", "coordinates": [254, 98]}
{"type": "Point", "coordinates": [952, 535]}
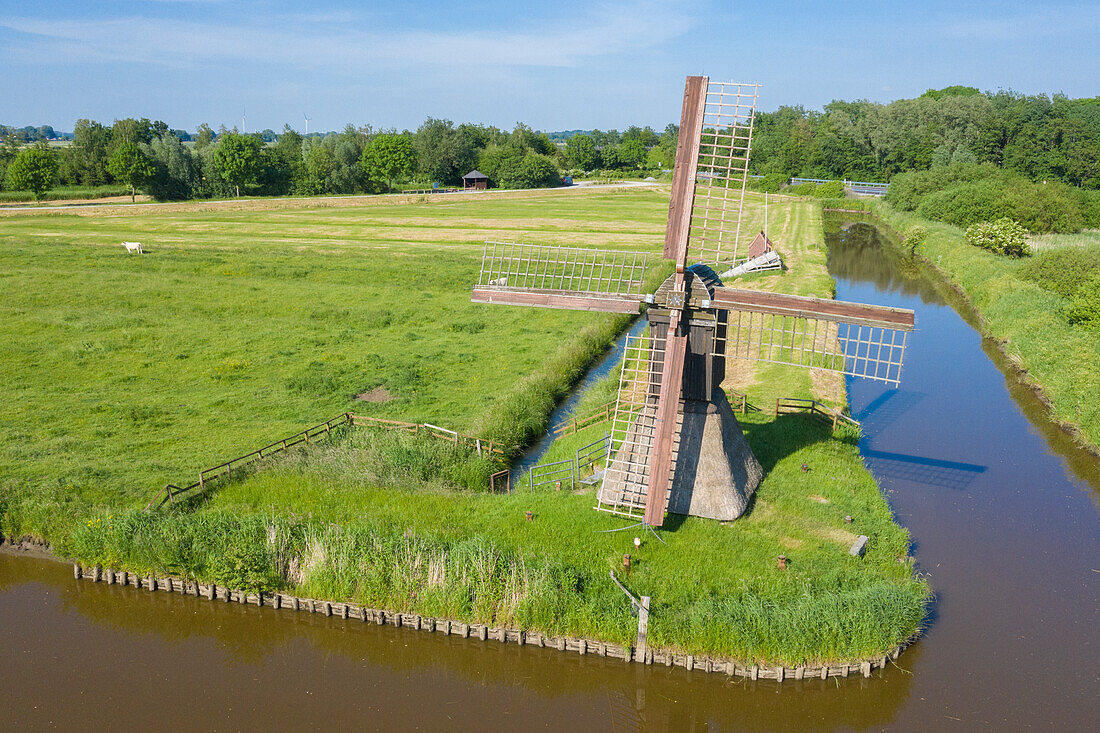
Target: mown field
{"type": "Point", "coordinates": [247, 323]}
{"type": "Point", "coordinates": [1026, 314]}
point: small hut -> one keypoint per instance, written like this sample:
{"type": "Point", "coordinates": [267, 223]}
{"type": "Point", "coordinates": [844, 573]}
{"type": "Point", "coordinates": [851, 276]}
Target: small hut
{"type": "Point", "coordinates": [760, 245]}
{"type": "Point", "coordinates": [475, 180]}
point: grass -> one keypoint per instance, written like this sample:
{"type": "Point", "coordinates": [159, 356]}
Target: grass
{"type": "Point", "coordinates": [1030, 323]}
{"type": "Point", "coordinates": [243, 324]}
{"type": "Point", "coordinates": [62, 193]}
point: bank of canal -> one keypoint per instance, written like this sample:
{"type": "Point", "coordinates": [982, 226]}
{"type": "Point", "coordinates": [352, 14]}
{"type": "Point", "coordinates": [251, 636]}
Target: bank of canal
{"type": "Point", "coordinates": [1005, 521]}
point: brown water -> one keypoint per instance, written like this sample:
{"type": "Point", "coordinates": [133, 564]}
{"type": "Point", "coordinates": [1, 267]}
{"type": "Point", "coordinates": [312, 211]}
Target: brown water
{"type": "Point", "coordinates": [1004, 516]}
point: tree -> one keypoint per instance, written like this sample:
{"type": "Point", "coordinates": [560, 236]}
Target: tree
{"type": "Point", "coordinates": [34, 169]}
{"type": "Point", "coordinates": [203, 136]}
{"type": "Point", "coordinates": [90, 142]}
{"type": "Point", "coordinates": [237, 159]}
{"type": "Point", "coordinates": [129, 165]}
{"type": "Point", "coordinates": [177, 171]}
{"type": "Point", "coordinates": [632, 152]}
{"type": "Point", "coordinates": [581, 152]}
{"type": "Point", "coordinates": [443, 154]}
{"type": "Point", "coordinates": [389, 158]}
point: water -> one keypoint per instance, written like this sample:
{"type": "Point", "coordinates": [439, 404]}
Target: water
{"type": "Point", "coordinates": [1005, 521]}
{"type": "Point", "coordinates": [535, 452]}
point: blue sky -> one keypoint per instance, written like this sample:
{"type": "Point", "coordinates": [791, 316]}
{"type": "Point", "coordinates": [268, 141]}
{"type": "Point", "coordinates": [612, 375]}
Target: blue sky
{"type": "Point", "coordinates": [556, 66]}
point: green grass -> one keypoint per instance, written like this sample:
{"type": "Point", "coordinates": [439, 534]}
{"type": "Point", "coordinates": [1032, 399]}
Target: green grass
{"type": "Point", "coordinates": [248, 323]}
{"type": "Point", "coordinates": [1061, 359]}
{"type": "Point", "coordinates": [62, 193]}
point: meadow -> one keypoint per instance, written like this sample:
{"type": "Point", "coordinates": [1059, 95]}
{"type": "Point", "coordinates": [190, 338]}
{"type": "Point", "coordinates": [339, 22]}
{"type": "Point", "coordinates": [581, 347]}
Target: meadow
{"type": "Point", "coordinates": [246, 323]}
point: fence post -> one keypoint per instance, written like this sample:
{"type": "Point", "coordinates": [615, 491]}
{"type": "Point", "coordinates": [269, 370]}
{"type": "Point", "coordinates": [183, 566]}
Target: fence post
{"type": "Point", "coordinates": [745, 404]}
{"type": "Point", "coordinates": [643, 628]}
{"type": "Point", "coordinates": [478, 441]}
{"type": "Point", "coordinates": [777, 406]}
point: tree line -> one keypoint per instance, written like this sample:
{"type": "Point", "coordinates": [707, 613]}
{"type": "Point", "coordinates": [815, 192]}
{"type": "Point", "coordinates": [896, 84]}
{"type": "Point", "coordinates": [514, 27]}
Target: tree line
{"type": "Point", "coordinates": [1038, 137]}
{"type": "Point", "coordinates": [149, 156]}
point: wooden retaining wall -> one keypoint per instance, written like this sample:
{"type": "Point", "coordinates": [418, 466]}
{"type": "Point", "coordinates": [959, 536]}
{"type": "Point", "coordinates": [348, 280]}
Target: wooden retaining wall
{"type": "Point", "coordinates": [484, 632]}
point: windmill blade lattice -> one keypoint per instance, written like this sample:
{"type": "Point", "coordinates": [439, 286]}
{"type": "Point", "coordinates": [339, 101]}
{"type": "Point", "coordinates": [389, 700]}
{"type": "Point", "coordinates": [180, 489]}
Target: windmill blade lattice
{"type": "Point", "coordinates": [713, 160]}
{"type": "Point", "coordinates": [851, 338]}
{"type": "Point", "coordinates": [626, 482]}
{"type": "Point", "coordinates": [562, 277]}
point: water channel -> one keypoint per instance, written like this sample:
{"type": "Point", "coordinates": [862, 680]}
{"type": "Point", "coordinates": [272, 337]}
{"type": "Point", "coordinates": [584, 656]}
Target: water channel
{"type": "Point", "coordinates": [1005, 522]}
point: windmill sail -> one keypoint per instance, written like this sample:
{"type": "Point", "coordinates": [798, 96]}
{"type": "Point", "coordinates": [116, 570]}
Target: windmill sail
{"type": "Point", "coordinates": [852, 338]}
{"type": "Point", "coordinates": [625, 487]}
{"type": "Point", "coordinates": [712, 166]}
{"type": "Point", "coordinates": [561, 277]}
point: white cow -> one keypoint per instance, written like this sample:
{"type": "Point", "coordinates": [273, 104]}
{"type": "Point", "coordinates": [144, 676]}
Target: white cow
{"type": "Point", "coordinates": [133, 247]}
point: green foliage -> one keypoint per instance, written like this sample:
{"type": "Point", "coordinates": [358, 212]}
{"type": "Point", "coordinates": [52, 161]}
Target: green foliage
{"type": "Point", "coordinates": [33, 169]}
{"type": "Point", "coordinates": [1003, 237]}
{"type": "Point", "coordinates": [389, 158]}
{"type": "Point", "coordinates": [128, 164]}
{"type": "Point", "coordinates": [236, 159]}
{"type": "Point", "coordinates": [581, 153]}
{"type": "Point", "coordinates": [1084, 306]}
{"type": "Point", "coordinates": [1062, 270]}
{"type": "Point", "coordinates": [914, 237]}
{"type": "Point", "coordinates": [965, 194]}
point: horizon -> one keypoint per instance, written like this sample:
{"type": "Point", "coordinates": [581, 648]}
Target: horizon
{"type": "Point", "coordinates": [560, 68]}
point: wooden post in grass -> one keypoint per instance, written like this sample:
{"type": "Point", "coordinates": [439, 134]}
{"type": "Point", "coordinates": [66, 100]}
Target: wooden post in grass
{"type": "Point", "coordinates": [643, 628]}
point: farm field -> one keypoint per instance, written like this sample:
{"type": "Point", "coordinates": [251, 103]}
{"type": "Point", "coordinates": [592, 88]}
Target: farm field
{"type": "Point", "coordinates": [243, 325]}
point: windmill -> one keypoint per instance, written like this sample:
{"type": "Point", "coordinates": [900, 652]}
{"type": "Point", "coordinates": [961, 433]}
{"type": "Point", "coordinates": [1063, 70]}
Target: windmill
{"type": "Point", "coordinates": [676, 445]}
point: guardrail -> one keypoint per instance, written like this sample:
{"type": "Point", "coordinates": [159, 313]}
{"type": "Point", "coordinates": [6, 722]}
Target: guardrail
{"type": "Point", "coordinates": [557, 473]}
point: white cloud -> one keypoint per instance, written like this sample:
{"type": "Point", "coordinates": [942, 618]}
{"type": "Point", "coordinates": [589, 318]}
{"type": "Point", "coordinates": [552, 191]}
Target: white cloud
{"type": "Point", "coordinates": [343, 46]}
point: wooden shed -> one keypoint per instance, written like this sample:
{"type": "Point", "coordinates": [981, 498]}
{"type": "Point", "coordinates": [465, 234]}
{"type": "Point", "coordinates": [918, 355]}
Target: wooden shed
{"type": "Point", "coordinates": [760, 245]}
{"type": "Point", "coordinates": [475, 180]}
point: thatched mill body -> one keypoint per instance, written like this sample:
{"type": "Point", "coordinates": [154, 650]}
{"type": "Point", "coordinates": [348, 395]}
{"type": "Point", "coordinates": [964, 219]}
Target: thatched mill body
{"type": "Point", "coordinates": [676, 445]}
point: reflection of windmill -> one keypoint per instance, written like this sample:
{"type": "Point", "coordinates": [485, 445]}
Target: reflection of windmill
{"type": "Point", "coordinates": [673, 426]}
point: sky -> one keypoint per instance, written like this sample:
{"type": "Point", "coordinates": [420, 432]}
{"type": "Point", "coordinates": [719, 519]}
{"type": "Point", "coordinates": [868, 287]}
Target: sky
{"type": "Point", "coordinates": [572, 64]}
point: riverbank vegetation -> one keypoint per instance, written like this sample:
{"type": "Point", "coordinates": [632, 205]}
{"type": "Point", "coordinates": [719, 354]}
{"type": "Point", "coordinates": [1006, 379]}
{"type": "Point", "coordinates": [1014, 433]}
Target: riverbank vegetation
{"type": "Point", "coordinates": [1043, 310]}
{"type": "Point", "coordinates": [244, 324]}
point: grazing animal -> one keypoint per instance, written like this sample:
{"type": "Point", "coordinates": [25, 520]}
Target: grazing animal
{"type": "Point", "coordinates": [133, 247]}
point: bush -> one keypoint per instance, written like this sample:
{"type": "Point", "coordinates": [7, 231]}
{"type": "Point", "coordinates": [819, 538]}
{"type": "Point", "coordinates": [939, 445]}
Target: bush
{"type": "Point", "coordinates": [965, 204]}
{"type": "Point", "coordinates": [1084, 308]}
{"type": "Point", "coordinates": [914, 237]}
{"type": "Point", "coordinates": [1003, 237]}
{"type": "Point", "coordinates": [830, 190]}
{"type": "Point", "coordinates": [908, 190]}
{"type": "Point", "coordinates": [1063, 270]}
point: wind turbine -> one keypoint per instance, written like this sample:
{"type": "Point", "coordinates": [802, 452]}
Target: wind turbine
{"type": "Point", "coordinates": [307, 124]}
{"type": "Point", "coordinates": [243, 128]}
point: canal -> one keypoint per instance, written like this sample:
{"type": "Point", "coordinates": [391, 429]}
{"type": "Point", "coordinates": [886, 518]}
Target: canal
{"type": "Point", "coordinates": [1005, 522]}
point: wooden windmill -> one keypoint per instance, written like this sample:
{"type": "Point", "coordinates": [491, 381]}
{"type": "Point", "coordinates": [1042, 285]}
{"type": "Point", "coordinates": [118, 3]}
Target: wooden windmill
{"type": "Point", "coordinates": [676, 445]}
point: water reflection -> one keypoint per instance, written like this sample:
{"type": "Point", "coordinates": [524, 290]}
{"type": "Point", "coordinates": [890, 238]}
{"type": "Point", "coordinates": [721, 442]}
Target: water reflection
{"type": "Point", "coordinates": [116, 654]}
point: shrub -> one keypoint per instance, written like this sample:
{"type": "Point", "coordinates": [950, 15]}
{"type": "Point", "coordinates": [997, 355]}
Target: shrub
{"type": "Point", "coordinates": [908, 190]}
{"type": "Point", "coordinates": [914, 237]}
{"type": "Point", "coordinates": [1084, 307]}
{"type": "Point", "coordinates": [830, 190]}
{"type": "Point", "coordinates": [1063, 270]}
{"type": "Point", "coordinates": [1003, 237]}
{"type": "Point", "coordinates": [965, 204]}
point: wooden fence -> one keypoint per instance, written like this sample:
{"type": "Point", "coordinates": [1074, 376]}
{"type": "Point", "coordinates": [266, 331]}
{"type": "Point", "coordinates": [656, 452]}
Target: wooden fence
{"type": "Point", "coordinates": [225, 469]}
{"type": "Point", "coordinates": [640, 653]}
{"type": "Point", "coordinates": [798, 404]}
{"type": "Point", "coordinates": [601, 414]}
{"type": "Point", "coordinates": [487, 447]}
{"type": "Point", "coordinates": [211, 475]}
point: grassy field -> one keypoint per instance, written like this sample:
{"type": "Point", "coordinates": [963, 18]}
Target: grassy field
{"type": "Point", "coordinates": [246, 323]}
{"type": "Point", "coordinates": [66, 193]}
{"type": "Point", "coordinates": [1062, 360]}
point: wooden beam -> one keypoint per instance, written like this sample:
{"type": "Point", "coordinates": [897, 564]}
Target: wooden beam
{"type": "Point", "coordinates": [565, 301]}
{"type": "Point", "coordinates": [685, 169]}
{"type": "Point", "coordinates": [839, 311]}
{"type": "Point", "coordinates": [668, 403]}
